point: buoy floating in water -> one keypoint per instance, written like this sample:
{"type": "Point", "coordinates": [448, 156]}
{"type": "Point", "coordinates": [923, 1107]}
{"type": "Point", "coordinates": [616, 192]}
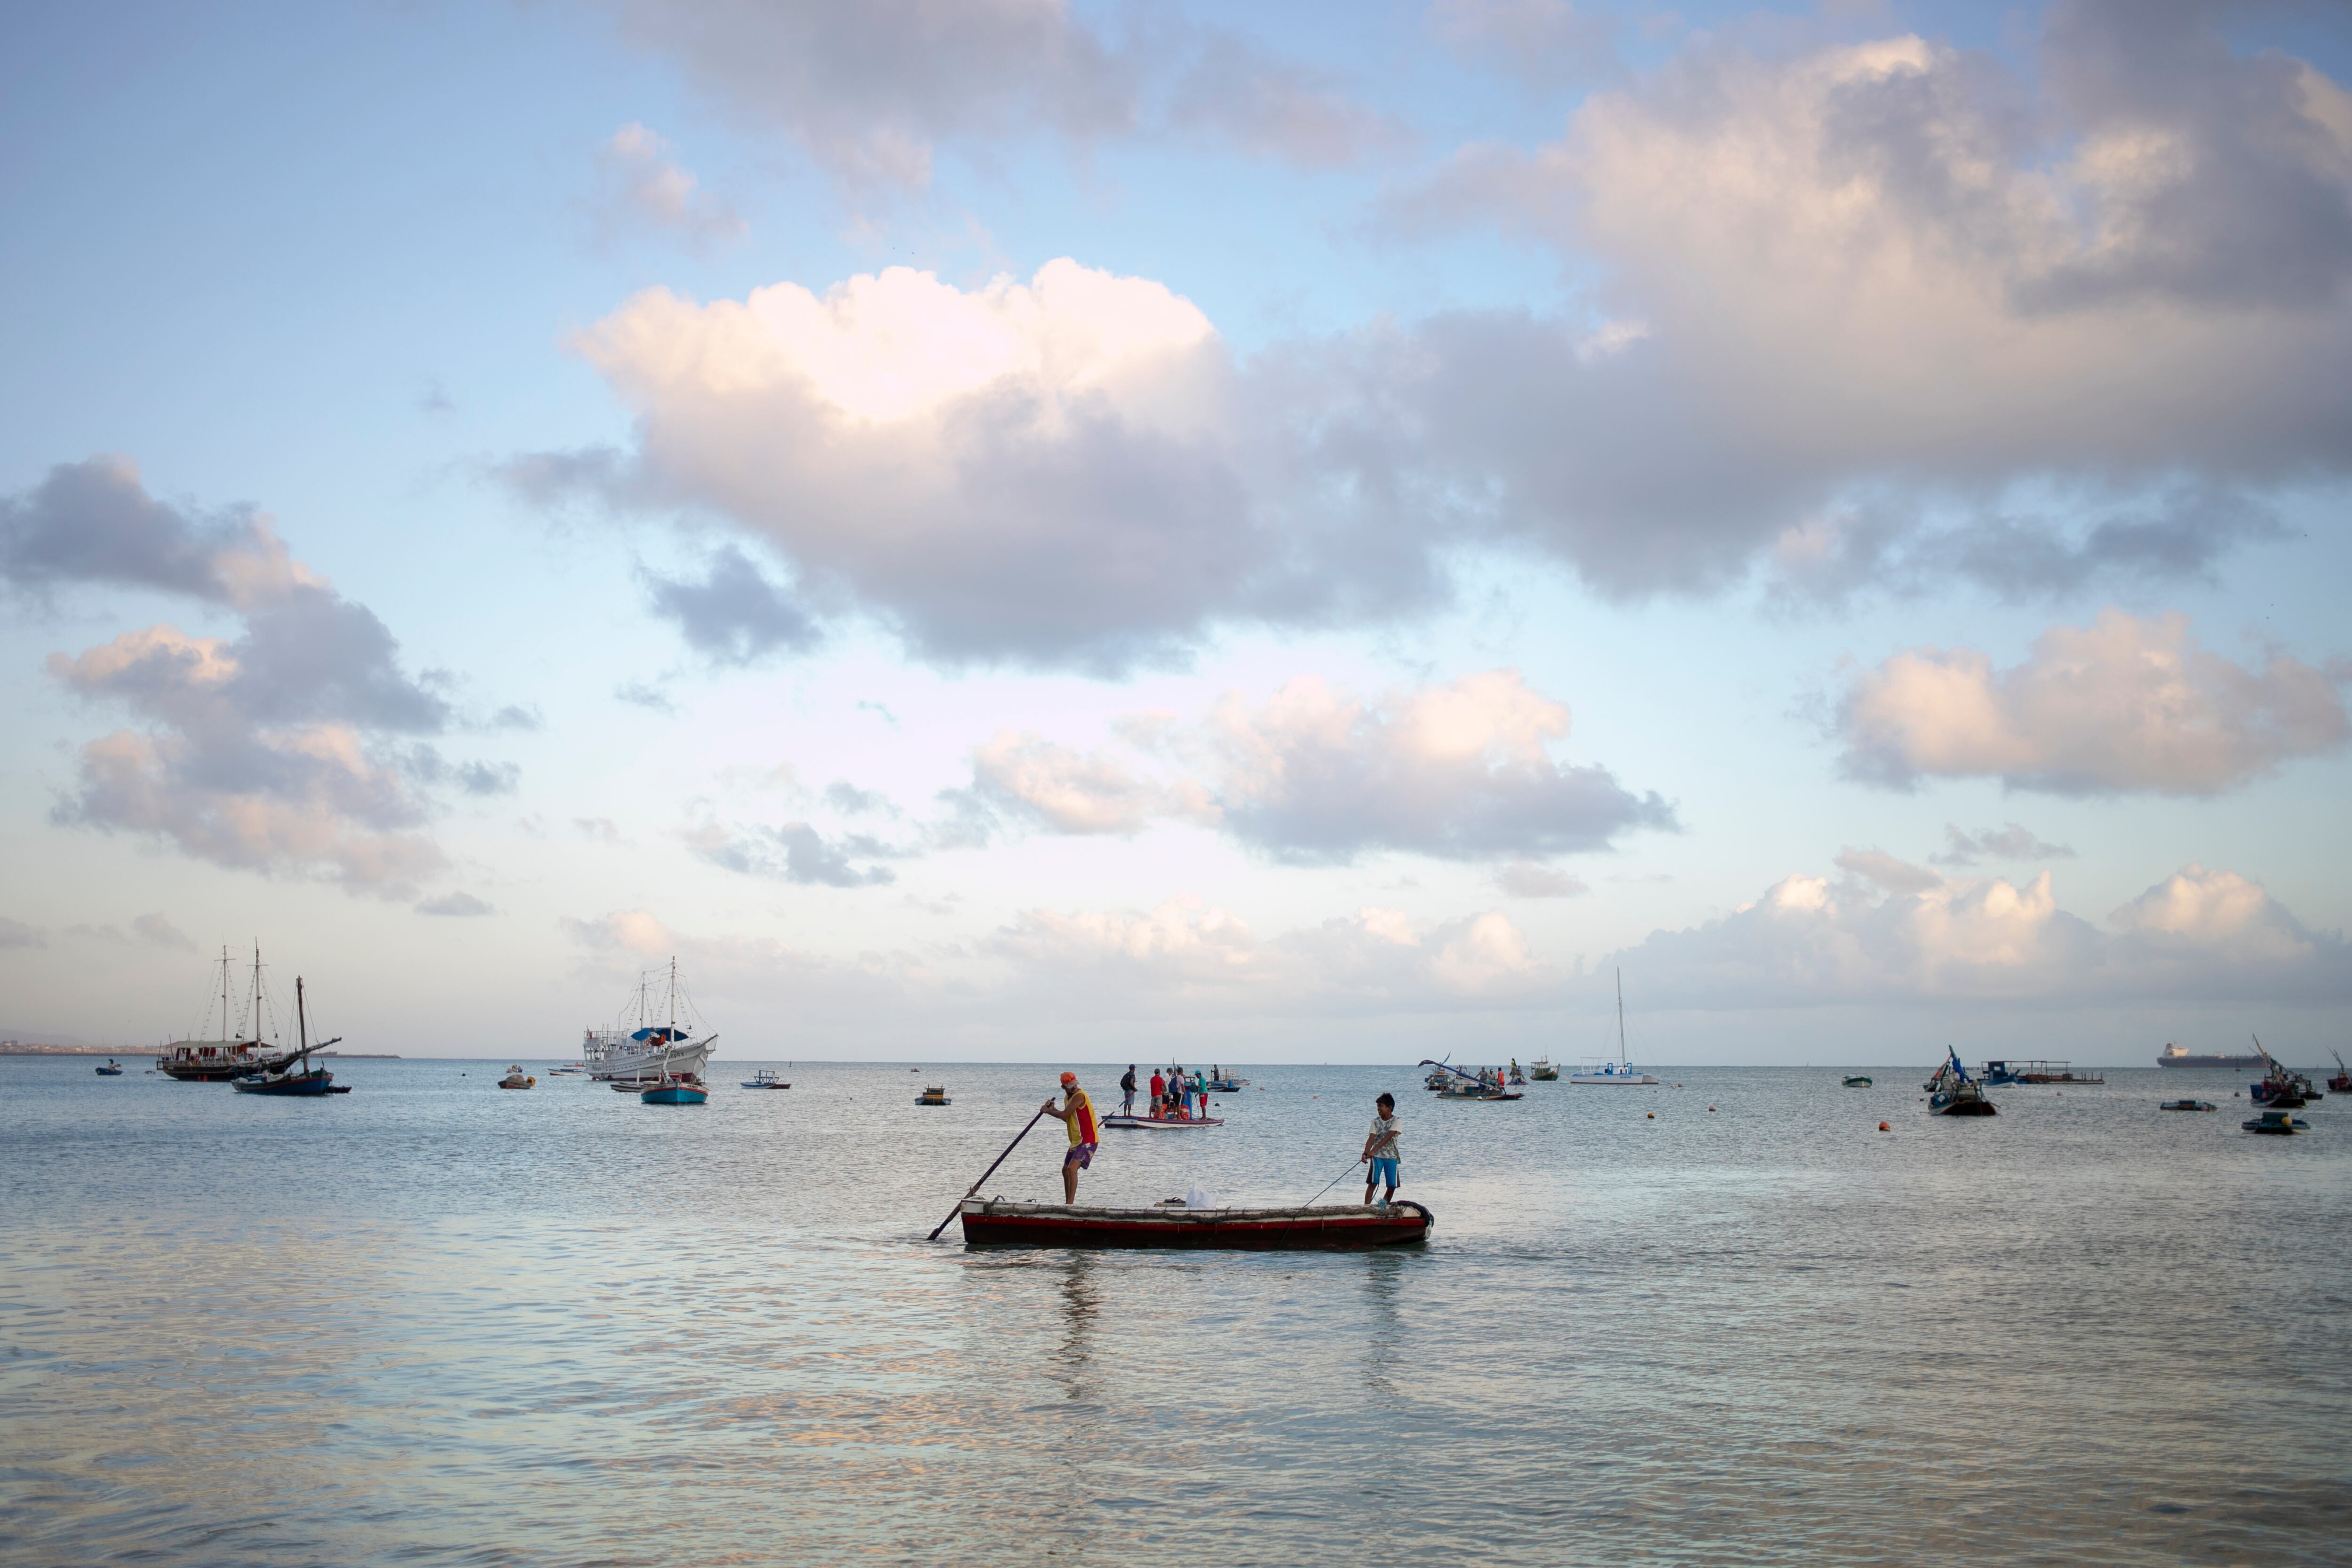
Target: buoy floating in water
{"type": "Point", "coordinates": [1653, 1115]}
{"type": "Point", "coordinates": [1883, 1127]}
{"type": "Point", "coordinates": [1710, 1110]}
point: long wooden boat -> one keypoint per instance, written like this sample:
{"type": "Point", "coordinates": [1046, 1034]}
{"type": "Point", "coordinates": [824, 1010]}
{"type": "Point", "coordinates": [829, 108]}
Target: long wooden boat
{"type": "Point", "coordinates": [996, 1222]}
{"type": "Point", "coordinates": [1162, 1124]}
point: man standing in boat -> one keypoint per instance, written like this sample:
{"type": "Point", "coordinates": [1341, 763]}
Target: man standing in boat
{"type": "Point", "coordinates": [1380, 1148]}
{"type": "Point", "coordinates": [1076, 1112]}
{"type": "Point", "coordinates": [1126, 1087]}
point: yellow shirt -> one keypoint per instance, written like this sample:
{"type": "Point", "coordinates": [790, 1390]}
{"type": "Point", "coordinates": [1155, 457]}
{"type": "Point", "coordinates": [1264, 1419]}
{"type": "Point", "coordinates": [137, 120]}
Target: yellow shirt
{"type": "Point", "coordinates": [1077, 1110]}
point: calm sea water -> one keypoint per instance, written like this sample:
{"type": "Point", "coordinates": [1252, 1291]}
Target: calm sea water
{"type": "Point", "coordinates": [431, 1322]}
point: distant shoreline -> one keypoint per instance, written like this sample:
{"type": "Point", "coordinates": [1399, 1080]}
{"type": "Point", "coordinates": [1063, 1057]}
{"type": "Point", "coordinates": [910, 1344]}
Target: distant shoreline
{"type": "Point", "coordinates": [16, 1048]}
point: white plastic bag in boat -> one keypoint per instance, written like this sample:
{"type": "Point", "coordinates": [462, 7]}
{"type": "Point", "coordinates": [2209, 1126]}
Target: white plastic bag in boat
{"type": "Point", "coordinates": [1199, 1198]}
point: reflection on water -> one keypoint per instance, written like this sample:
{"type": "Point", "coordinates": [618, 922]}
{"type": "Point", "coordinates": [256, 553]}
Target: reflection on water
{"type": "Point", "coordinates": [471, 1327]}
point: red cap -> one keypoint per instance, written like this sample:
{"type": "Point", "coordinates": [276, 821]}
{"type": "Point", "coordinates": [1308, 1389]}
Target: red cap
{"type": "Point", "coordinates": [1069, 1077]}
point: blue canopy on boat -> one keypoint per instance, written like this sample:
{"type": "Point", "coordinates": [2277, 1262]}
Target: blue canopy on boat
{"type": "Point", "coordinates": [659, 1035]}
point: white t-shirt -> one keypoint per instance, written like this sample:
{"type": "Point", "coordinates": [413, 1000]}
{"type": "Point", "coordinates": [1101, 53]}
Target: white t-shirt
{"type": "Point", "coordinates": [1382, 1127]}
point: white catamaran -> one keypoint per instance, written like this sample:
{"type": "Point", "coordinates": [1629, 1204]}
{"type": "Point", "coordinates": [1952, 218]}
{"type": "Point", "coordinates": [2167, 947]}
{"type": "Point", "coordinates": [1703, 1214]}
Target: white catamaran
{"type": "Point", "coordinates": [643, 1052]}
{"type": "Point", "coordinates": [1620, 1070]}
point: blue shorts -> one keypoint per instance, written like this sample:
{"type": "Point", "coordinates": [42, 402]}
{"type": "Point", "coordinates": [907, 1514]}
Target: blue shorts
{"type": "Point", "coordinates": [1082, 1155]}
{"type": "Point", "coordinates": [1384, 1171]}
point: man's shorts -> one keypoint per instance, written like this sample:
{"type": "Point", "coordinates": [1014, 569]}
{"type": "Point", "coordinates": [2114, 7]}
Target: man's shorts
{"type": "Point", "coordinates": [1082, 1155]}
{"type": "Point", "coordinates": [1384, 1172]}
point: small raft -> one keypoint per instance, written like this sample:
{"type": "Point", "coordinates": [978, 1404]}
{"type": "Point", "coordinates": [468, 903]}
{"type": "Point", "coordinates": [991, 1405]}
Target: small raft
{"type": "Point", "coordinates": [1857, 1081]}
{"type": "Point", "coordinates": [996, 1222]}
{"type": "Point", "coordinates": [2276, 1121]}
{"type": "Point", "coordinates": [1162, 1124]}
{"type": "Point", "coordinates": [2185, 1105]}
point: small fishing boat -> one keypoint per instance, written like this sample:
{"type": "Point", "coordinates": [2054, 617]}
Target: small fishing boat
{"type": "Point", "coordinates": [2184, 1105]}
{"type": "Point", "coordinates": [2342, 1082]}
{"type": "Point", "coordinates": [111, 1070]}
{"type": "Point", "coordinates": [569, 1070]}
{"type": "Point", "coordinates": [1216, 1085]}
{"type": "Point", "coordinates": [1620, 1070]}
{"type": "Point", "coordinates": [1162, 1124]}
{"type": "Point", "coordinates": [1542, 1071]}
{"type": "Point", "coordinates": [1857, 1081]}
{"type": "Point", "coordinates": [2276, 1121]}
{"type": "Point", "coordinates": [1519, 1079]}
{"type": "Point", "coordinates": [764, 1079]}
{"type": "Point", "coordinates": [936, 1095]}
{"type": "Point", "coordinates": [515, 1080]}
{"type": "Point", "coordinates": [290, 1077]}
{"type": "Point", "coordinates": [1951, 1092]}
{"type": "Point", "coordinates": [993, 1222]}
{"type": "Point", "coordinates": [2036, 1072]}
{"type": "Point", "coordinates": [2279, 1087]}
{"type": "Point", "coordinates": [1458, 1083]}
{"type": "Point", "coordinates": [675, 1089]}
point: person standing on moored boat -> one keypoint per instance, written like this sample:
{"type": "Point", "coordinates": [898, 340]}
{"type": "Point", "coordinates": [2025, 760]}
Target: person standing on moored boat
{"type": "Point", "coordinates": [1076, 1112]}
{"type": "Point", "coordinates": [1127, 1086]}
{"type": "Point", "coordinates": [1380, 1148]}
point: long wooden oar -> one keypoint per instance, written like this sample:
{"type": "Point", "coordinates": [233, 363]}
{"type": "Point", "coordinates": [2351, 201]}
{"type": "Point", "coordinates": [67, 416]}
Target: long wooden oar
{"type": "Point", "coordinates": [985, 1174]}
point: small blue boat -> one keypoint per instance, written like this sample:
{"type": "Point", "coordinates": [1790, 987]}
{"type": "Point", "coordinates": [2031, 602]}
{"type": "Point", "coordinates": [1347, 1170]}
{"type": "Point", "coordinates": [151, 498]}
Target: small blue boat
{"type": "Point", "coordinates": [111, 1070]}
{"type": "Point", "coordinates": [2276, 1121]}
{"type": "Point", "coordinates": [682, 1088]}
{"type": "Point", "coordinates": [764, 1079]}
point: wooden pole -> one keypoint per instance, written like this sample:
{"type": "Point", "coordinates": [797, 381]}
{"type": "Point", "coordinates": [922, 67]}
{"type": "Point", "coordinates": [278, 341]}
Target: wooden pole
{"type": "Point", "coordinates": [984, 1175]}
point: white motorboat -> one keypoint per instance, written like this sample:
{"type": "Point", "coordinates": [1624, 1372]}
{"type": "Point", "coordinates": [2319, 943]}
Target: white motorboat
{"type": "Point", "coordinates": [1620, 1070]}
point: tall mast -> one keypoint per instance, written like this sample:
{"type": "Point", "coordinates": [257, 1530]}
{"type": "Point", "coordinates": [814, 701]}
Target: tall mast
{"type": "Point", "coordinates": [1620, 1018]}
{"type": "Point", "coordinates": [224, 1034]}
{"type": "Point", "coordinates": [302, 1021]}
{"type": "Point", "coordinates": [673, 995]}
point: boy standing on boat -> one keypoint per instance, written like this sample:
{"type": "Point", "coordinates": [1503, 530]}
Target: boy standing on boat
{"type": "Point", "coordinates": [1380, 1148]}
{"type": "Point", "coordinates": [1076, 1112]}
{"type": "Point", "coordinates": [1127, 1086]}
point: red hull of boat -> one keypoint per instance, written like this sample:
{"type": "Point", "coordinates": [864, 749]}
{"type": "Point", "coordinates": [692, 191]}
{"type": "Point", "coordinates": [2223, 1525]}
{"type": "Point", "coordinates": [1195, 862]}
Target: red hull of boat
{"type": "Point", "coordinates": [1252, 1230]}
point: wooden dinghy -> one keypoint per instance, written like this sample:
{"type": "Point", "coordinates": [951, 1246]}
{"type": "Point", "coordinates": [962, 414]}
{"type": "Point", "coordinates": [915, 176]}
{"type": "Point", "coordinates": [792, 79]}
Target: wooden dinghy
{"type": "Point", "coordinates": [1162, 1124]}
{"type": "Point", "coordinates": [996, 1222]}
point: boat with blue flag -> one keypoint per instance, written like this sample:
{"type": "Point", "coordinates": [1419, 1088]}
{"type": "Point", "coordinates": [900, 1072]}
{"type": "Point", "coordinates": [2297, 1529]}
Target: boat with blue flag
{"type": "Point", "coordinates": [1951, 1092]}
{"type": "Point", "coordinates": [649, 1043]}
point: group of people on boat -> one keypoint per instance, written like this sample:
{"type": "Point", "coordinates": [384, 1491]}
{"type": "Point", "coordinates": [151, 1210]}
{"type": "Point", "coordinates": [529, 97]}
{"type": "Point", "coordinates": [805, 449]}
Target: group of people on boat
{"type": "Point", "coordinates": [1076, 1114]}
{"type": "Point", "coordinates": [1174, 1098]}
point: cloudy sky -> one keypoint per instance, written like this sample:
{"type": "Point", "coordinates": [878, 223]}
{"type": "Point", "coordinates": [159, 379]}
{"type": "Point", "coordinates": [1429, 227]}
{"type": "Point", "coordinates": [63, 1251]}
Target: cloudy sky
{"type": "Point", "coordinates": [1008, 529]}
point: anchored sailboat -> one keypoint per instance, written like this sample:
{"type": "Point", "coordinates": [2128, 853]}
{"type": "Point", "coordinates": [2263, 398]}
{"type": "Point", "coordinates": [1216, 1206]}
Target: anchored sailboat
{"type": "Point", "coordinates": [235, 1051]}
{"type": "Point", "coordinates": [1620, 1070]}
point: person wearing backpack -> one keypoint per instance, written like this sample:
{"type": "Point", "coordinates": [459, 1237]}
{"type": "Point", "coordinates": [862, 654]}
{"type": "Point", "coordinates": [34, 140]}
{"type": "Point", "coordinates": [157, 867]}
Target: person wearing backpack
{"type": "Point", "coordinates": [1127, 1086]}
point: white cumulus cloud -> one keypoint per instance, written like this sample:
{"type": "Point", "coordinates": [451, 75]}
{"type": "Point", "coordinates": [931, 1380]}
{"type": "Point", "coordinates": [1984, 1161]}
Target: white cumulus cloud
{"type": "Point", "coordinates": [2198, 935]}
{"type": "Point", "coordinates": [2125, 704]}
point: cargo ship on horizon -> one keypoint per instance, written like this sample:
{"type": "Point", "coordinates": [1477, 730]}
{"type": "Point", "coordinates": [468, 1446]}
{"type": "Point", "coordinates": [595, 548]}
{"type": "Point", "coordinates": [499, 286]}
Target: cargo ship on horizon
{"type": "Point", "coordinates": [2174, 1057]}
